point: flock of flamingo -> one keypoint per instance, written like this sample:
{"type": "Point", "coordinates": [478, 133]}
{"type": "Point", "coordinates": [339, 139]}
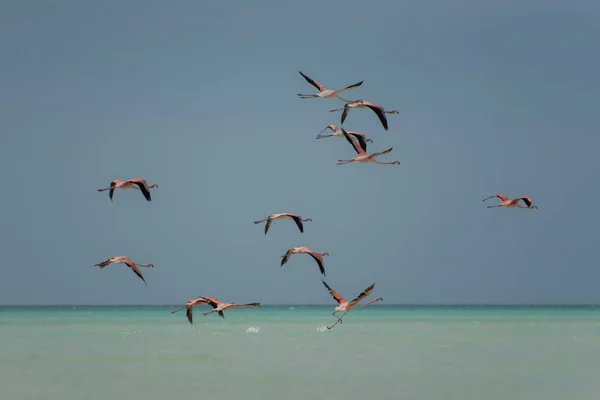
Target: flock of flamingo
{"type": "Point", "coordinates": [359, 144]}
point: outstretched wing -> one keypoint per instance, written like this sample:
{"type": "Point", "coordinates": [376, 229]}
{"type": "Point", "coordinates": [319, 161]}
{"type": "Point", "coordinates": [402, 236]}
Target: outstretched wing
{"type": "Point", "coordinates": [526, 200]}
{"type": "Point", "coordinates": [361, 140]}
{"type": "Point", "coordinates": [298, 222]}
{"type": "Point", "coordinates": [211, 301]}
{"type": "Point", "coordinates": [353, 86]}
{"type": "Point", "coordinates": [499, 195]}
{"type": "Point", "coordinates": [268, 224]}
{"type": "Point", "coordinates": [363, 294]}
{"type": "Point", "coordinates": [135, 269]}
{"type": "Point", "coordinates": [316, 84]}
{"type": "Point", "coordinates": [286, 257]}
{"type": "Point", "coordinates": [112, 190]}
{"type": "Point", "coordinates": [143, 188]}
{"type": "Point", "coordinates": [319, 261]}
{"type": "Point", "coordinates": [383, 152]}
{"type": "Point", "coordinates": [337, 297]}
{"type": "Point", "coordinates": [103, 263]}
{"type": "Point", "coordinates": [353, 142]}
{"type": "Point", "coordinates": [344, 113]}
{"type": "Point", "coordinates": [380, 114]}
{"type": "Point", "coordinates": [189, 313]}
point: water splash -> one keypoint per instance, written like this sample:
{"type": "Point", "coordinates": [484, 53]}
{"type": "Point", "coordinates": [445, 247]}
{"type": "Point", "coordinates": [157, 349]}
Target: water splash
{"type": "Point", "coordinates": [322, 328]}
{"type": "Point", "coordinates": [130, 332]}
{"type": "Point", "coordinates": [253, 329]}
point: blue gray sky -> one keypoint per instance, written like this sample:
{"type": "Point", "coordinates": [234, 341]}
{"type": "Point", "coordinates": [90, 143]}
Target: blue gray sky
{"type": "Point", "coordinates": [200, 98]}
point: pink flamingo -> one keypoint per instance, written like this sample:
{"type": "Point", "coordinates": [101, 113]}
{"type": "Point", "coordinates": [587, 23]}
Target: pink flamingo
{"type": "Point", "coordinates": [189, 306]}
{"type": "Point", "coordinates": [337, 132]}
{"type": "Point", "coordinates": [135, 183]}
{"type": "Point", "coordinates": [273, 217]}
{"type": "Point", "coordinates": [305, 250]}
{"type": "Point", "coordinates": [324, 92]}
{"type": "Point", "coordinates": [218, 306]}
{"type": "Point", "coordinates": [377, 109]}
{"type": "Point", "coordinates": [127, 261]}
{"type": "Point", "coordinates": [363, 157]}
{"type": "Point", "coordinates": [508, 203]}
{"type": "Point", "coordinates": [345, 305]}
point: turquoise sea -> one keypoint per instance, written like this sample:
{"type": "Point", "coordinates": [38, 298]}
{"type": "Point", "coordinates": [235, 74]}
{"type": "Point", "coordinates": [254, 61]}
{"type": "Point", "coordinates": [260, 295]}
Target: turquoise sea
{"type": "Point", "coordinates": [283, 352]}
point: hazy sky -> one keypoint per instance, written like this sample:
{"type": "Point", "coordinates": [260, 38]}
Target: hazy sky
{"type": "Point", "coordinates": [200, 98]}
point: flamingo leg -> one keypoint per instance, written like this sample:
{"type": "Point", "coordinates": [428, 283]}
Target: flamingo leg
{"type": "Point", "coordinates": [382, 163]}
{"type": "Point", "coordinates": [338, 321]}
{"type": "Point", "coordinates": [308, 96]}
{"type": "Point", "coordinates": [342, 162]}
{"type": "Point", "coordinates": [179, 309]}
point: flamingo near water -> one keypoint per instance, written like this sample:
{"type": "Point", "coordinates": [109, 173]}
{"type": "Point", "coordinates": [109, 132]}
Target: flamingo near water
{"type": "Point", "coordinates": [345, 305]}
{"type": "Point", "coordinates": [217, 305]}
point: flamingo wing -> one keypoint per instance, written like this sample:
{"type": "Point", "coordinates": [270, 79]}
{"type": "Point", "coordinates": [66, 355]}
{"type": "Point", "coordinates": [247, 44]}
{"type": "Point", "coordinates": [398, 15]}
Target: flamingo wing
{"type": "Point", "coordinates": [189, 312]}
{"type": "Point", "coordinates": [211, 301]}
{"type": "Point", "coordinates": [499, 195]}
{"type": "Point", "coordinates": [353, 142]}
{"type": "Point", "coordinates": [363, 294]}
{"type": "Point", "coordinates": [268, 224]}
{"type": "Point", "coordinates": [298, 222]}
{"type": "Point", "coordinates": [103, 263]}
{"type": "Point", "coordinates": [526, 200]}
{"type": "Point", "coordinates": [112, 190]}
{"type": "Point", "coordinates": [361, 140]}
{"type": "Point", "coordinates": [353, 86]}
{"type": "Point", "coordinates": [319, 261]}
{"type": "Point", "coordinates": [337, 297]}
{"type": "Point", "coordinates": [286, 257]}
{"type": "Point", "coordinates": [344, 113]}
{"type": "Point", "coordinates": [382, 152]}
{"type": "Point", "coordinates": [135, 269]}
{"type": "Point", "coordinates": [380, 114]}
{"type": "Point", "coordinates": [142, 185]}
{"type": "Point", "coordinates": [316, 84]}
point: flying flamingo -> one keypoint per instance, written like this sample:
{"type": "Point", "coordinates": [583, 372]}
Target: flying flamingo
{"type": "Point", "coordinates": [324, 92]}
{"type": "Point", "coordinates": [363, 157]}
{"type": "Point", "coordinates": [377, 109]}
{"type": "Point", "coordinates": [299, 250]}
{"type": "Point", "coordinates": [345, 305]}
{"type": "Point", "coordinates": [190, 306]}
{"type": "Point", "coordinates": [135, 183]}
{"type": "Point", "coordinates": [337, 132]}
{"type": "Point", "coordinates": [297, 219]}
{"type": "Point", "coordinates": [127, 261]}
{"type": "Point", "coordinates": [219, 306]}
{"type": "Point", "coordinates": [508, 203]}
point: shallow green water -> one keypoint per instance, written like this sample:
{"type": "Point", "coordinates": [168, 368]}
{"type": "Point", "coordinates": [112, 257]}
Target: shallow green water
{"type": "Point", "coordinates": [381, 352]}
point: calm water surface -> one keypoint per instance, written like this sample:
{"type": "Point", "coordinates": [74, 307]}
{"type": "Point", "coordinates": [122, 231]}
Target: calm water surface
{"type": "Point", "coordinates": [381, 352]}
